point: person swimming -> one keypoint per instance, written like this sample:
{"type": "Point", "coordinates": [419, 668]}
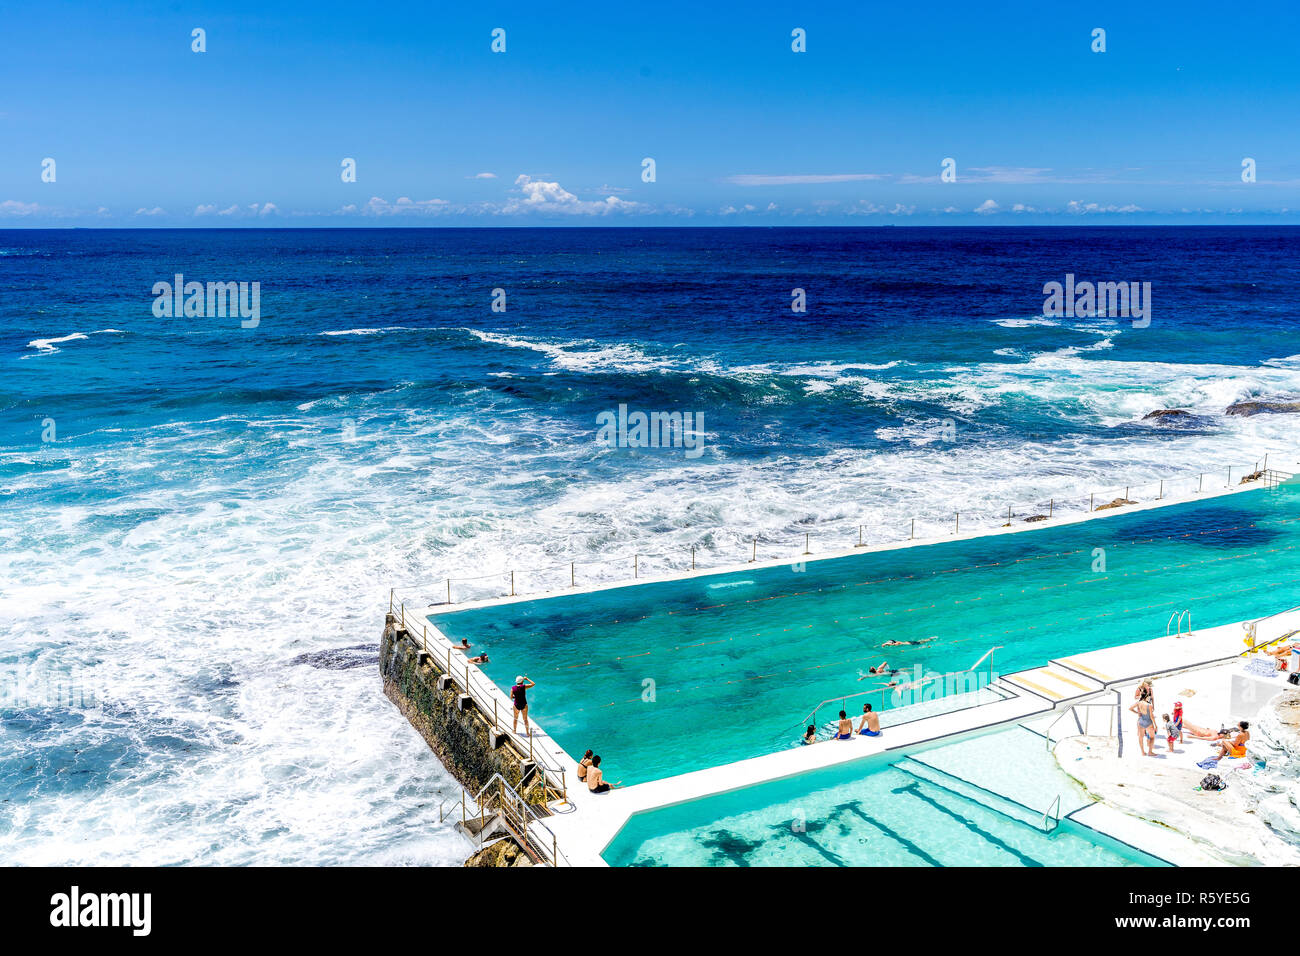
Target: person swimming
{"type": "Point", "coordinates": [880, 670]}
{"type": "Point", "coordinates": [810, 735]}
{"type": "Point", "coordinates": [845, 730]}
{"type": "Point", "coordinates": [870, 725]}
{"type": "Point", "coordinates": [893, 643]}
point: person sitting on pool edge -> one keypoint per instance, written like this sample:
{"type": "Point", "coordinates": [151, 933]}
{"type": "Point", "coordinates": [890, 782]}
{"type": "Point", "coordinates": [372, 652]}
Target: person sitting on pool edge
{"type": "Point", "coordinates": [583, 764]}
{"type": "Point", "coordinates": [1237, 746]}
{"type": "Point", "coordinates": [596, 778]}
{"type": "Point", "coordinates": [893, 643]}
{"type": "Point", "coordinates": [870, 725]}
{"type": "Point", "coordinates": [845, 731]}
{"type": "Point", "coordinates": [810, 735]}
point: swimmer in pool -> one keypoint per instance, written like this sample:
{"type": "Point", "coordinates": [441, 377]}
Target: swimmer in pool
{"type": "Point", "coordinates": [892, 643]}
{"type": "Point", "coordinates": [880, 670]}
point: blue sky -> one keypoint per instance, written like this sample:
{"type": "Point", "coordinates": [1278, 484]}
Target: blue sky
{"type": "Point", "coordinates": [252, 132]}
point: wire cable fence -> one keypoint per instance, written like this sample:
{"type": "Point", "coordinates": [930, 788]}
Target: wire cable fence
{"type": "Point", "coordinates": [825, 540]}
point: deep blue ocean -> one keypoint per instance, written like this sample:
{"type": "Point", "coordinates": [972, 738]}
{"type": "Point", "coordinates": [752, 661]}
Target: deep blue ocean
{"type": "Point", "coordinates": [201, 522]}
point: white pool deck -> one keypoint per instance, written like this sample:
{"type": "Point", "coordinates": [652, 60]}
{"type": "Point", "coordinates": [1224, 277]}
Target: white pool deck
{"type": "Point", "coordinates": [589, 822]}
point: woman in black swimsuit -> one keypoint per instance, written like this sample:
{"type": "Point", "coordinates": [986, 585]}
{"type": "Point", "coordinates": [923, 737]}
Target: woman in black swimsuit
{"type": "Point", "coordinates": [519, 697]}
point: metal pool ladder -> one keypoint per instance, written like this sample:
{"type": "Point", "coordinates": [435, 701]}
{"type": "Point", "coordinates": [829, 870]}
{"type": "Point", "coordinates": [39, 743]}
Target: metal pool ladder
{"type": "Point", "coordinates": [1185, 612]}
{"type": "Point", "coordinates": [1055, 817]}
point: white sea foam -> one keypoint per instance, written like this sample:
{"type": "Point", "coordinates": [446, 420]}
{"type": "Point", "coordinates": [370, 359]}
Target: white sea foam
{"type": "Point", "coordinates": [185, 602]}
{"type": "Point", "coordinates": [50, 346]}
{"type": "Point", "coordinates": [378, 331]}
{"type": "Point", "coordinates": [1037, 320]}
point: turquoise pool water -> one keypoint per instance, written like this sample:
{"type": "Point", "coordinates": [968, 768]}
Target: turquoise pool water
{"type": "Point", "coordinates": [668, 677]}
{"type": "Point", "coordinates": [865, 813]}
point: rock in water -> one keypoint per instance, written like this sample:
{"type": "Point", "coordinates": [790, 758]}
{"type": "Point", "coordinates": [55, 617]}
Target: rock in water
{"type": "Point", "coordinates": [1117, 503]}
{"type": "Point", "coordinates": [1260, 408]}
{"type": "Point", "coordinates": [502, 853]}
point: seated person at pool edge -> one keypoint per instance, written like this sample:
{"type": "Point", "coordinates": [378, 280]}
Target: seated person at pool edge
{"type": "Point", "coordinates": [845, 730]}
{"type": "Point", "coordinates": [596, 777]}
{"type": "Point", "coordinates": [870, 725]}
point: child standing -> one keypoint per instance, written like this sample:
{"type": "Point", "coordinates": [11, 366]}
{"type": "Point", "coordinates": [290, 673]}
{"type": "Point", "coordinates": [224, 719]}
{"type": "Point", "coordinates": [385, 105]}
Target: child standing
{"type": "Point", "coordinates": [1171, 731]}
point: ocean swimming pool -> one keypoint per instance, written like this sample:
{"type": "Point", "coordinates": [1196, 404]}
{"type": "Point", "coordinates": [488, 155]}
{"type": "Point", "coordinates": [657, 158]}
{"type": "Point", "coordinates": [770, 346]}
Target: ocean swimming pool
{"type": "Point", "coordinates": [885, 810]}
{"type": "Point", "coordinates": [668, 677]}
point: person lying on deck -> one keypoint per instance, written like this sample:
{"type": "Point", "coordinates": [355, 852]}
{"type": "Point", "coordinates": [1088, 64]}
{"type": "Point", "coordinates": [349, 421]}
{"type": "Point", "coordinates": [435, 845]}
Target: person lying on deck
{"type": "Point", "coordinates": [893, 643]}
{"type": "Point", "coordinates": [1204, 733]}
{"type": "Point", "coordinates": [845, 731]}
{"type": "Point", "coordinates": [870, 724]}
{"type": "Point", "coordinates": [1237, 746]}
{"type": "Point", "coordinates": [880, 670]}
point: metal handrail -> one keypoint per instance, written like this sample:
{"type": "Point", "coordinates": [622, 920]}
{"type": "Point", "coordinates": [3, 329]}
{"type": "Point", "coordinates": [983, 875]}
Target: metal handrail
{"type": "Point", "coordinates": [812, 715]}
{"type": "Point", "coordinates": [1272, 477]}
{"type": "Point", "coordinates": [1046, 813]}
{"type": "Point", "coordinates": [524, 819]}
{"type": "Point", "coordinates": [1070, 712]}
{"type": "Point", "coordinates": [485, 701]}
{"type": "Point", "coordinates": [1179, 615]}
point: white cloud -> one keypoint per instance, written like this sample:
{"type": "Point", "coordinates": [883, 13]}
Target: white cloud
{"type": "Point", "coordinates": [404, 206]}
{"type": "Point", "coordinates": [264, 209]}
{"type": "Point", "coordinates": [986, 208]}
{"type": "Point", "coordinates": [1076, 208]}
{"type": "Point", "coordinates": [155, 211]}
{"type": "Point", "coordinates": [1021, 207]}
{"type": "Point", "coordinates": [754, 179]}
{"type": "Point", "coordinates": [205, 209]}
{"type": "Point", "coordinates": [541, 196]}
{"type": "Point", "coordinates": [12, 207]}
{"type": "Point", "coordinates": [485, 176]}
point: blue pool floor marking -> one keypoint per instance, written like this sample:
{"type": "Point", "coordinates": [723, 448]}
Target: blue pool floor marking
{"type": "Point", "coordinates": [914, 789]}
{"type": "Point", "coordinates": [855, 807]}
{"type": "Point", "coordinates": [730, 846]}
{"type": "Point", "coordinates": [804, 836]}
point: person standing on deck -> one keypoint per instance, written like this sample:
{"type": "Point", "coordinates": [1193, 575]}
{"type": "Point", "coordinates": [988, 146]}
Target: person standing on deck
{"type": "Point", "coordinates": [519, 697]}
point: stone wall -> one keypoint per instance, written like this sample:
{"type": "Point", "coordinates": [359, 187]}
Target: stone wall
{"type": "Point", "coordinates": [460, 738]}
